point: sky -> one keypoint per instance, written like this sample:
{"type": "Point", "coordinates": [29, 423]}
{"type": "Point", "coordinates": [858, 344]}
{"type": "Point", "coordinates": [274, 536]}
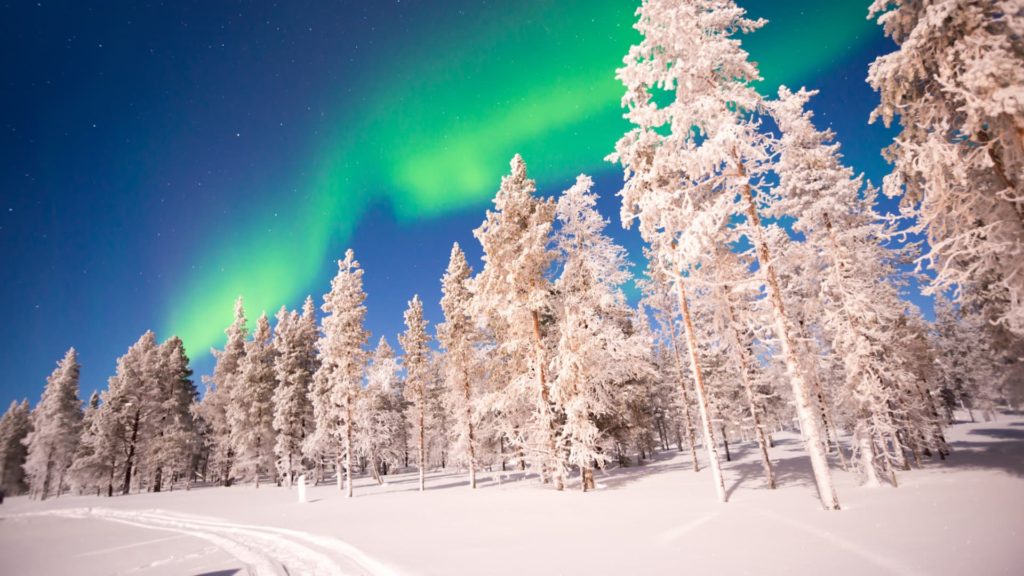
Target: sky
{"type": "Point", "coordinates": [162, 158]}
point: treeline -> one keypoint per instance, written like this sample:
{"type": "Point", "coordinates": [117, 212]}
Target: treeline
{"type": "Point", "coordinates": [772, 298]}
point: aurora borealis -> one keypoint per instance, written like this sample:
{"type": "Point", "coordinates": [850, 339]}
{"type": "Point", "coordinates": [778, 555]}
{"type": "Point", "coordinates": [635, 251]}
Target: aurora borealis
{"type": "Point", "coordinates": [239, 149]}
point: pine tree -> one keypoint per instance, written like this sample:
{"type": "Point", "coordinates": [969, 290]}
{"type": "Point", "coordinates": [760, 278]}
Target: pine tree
{"type": "Point", "coordinates": [379, 418]}
{"type": "Point", "coordinates": [14, 428]}
{"type": "Point", "coordinates": [176, 441]}
{"type": "Point", "coordinates": [955, 82]}
{"type": "Point", "coordinates": [416, 362]}
{"type": "Point", "coordinates": [56, 426]}
{"type": "Point", "coordinates": [512, 296]}
{"type": "Point", "coordinates": [456, 335]}
{"type": "Point", "coordinates": [217, 400]}
{"type": "Point", "coordinates": [251, 412]}
{"type": "Point", "coordinates": [295, 362]}
{"type": "Point", "coordinates": [337, 383]}
{"type": "Point", "coordinates": [704, 146]}
{"type": "Point", "coordinates": [598, 347]}
{"type": "Point", "coordinates": [134, 400]}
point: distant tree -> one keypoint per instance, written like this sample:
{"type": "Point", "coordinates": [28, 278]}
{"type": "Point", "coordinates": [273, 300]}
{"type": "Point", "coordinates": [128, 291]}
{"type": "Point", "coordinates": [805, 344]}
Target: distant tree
{"type": "Point", "coordinates": [295, 362]}
{"type": "Point", "coordinates": [599, 349]}
{"type": "Point", "coordinates": [379, 416]}
{"type": "Point", "coordinates": [251, 411]}
{"type": "Point", "coordinates": [176, 441]}
{"type": "Point", "coordinates": [456, 336]}
{"type": "Point", "coordinates": [416, 362]}
{"type": "Point", "coordinates": [511, 295]}
{"type": "Point", "coordinates": [56, 426]}
{"type": "Point", "coordinates": [14, 427]}
{"type": "Point", "coordinates": [338, 380]}
{"type": "Point", "coordinates": [217, 400]}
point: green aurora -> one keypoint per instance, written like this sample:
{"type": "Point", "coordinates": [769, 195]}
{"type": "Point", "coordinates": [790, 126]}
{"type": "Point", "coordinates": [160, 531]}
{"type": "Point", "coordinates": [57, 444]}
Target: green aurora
{"type": "Point", "coordinates": [435, 135]}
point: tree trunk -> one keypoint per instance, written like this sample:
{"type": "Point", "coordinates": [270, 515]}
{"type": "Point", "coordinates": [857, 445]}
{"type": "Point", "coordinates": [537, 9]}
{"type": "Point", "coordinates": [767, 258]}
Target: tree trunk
{"type": "Point", "coordinates": [725, 444]}
{"type": "Point", "coordinates": [467, 397]}
{"type": "Point", "coordinates": [702, 401]}
{"type": "Point", "coordinates": [348, 445]}
{"type": "Point", "coordinates": [691, 441]}
{"type": "Point", "coordinates": [804, 407]}
{"type": "Point", "coordinates": [422, 439]}
{"type": "Point", "coordinates": [545, 405]}
{"type": "Point", "coordinates": [867, 453]}
{"type": "Point", "coordinates": [755, 410]}
{"type": "Point", "coordinates": [587, 478]}
{"type": "Point", "coordinates": [129, 461]}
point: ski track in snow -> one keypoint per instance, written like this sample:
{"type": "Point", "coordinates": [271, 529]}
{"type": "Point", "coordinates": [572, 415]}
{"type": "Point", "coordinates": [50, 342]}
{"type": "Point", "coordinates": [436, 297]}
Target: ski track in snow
{"type": "Point", "coordinates": [265, 550]}
{"type": "Point", "coordinates": [886, 563]}
{"type": "Point", "coordinates": [669, 536]}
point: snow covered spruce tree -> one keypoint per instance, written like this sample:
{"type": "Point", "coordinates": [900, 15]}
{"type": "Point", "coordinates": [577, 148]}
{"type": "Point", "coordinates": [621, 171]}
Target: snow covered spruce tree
{"type": "Point", "coordinates": [379, 418]}
{"type": "Point", "coordinates": [133, 400]}
{"type": "Point", "coordinates": [14, 427]}
{"type": "Point", "coordinates": [295, 362]}
{"type": "Point", "coordinates": [416, 362]}
{"type": "Point", "coordinates": [955, 82]}
{"type": "Point", "coordinates": [599, 349]}
{"type": "Point", "coordinates": [456, 336]}
{"type": "Point", "coordinates": [512, 295]}
{"type": "Point", "coordinates": [338, 380]}
{"type": "Point", "coordinates": [250, 410]}
{"type": "Point", "coordinates": [56, 426]}
{"type": "Point", "coordinates": [176, 440]}
{"type": "Point", "coordinates": [704, 146]}
{"type": "Point", "coordinates": [217, 400]}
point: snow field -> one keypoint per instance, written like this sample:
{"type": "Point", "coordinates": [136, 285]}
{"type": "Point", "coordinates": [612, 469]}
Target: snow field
{"type": "Point", "coordinates": [964, 516]}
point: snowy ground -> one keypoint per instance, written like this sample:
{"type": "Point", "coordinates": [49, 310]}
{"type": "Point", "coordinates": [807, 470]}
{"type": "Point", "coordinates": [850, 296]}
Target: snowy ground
{"type": "Point", "coordinates": [965, 516]}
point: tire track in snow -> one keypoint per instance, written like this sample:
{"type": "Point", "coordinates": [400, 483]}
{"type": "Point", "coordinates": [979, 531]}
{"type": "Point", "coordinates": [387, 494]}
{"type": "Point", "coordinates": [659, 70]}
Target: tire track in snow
{"type": "Point", "coordinates": [266, 551]}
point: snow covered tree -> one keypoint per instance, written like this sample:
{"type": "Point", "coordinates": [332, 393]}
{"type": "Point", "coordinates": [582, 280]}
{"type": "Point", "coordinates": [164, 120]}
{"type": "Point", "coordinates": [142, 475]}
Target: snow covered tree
{"type": "Point", "coordinates": [251, 412]}
{"type": "Point", "coordinates": [295, 362]}
{"type": "Point", "coordinates": [216, 402]}
{"type": "Point", "coordinates": [176, 440]}
{"type": "Point", "coordinates": [456, 336]}
{"type": "Point", "coordinates": [954, 83]}
{"type": "Point", "coordinates": [512, 296]}
{"type": "Point", "coordinates": [598, 347]}
{"type": "Point", "coordinates": [56, 426]}
{"type": "Point", "coordinates": [416, 362]}
{"type": "Point", "coordinates": [132, 397]}
{"type": "Point", "coordinates": [379, 417]}
{"type": "Point", "coordinates": [94, 462]}
{"type": "Point", "coordinates": [861, 306]}
{"type": "Point", "coordinates": [14, 427]}
{"type": "Point", "coordinates": [337, 383]}
{"type": "Point", "coordinates": [657, 288]}
{"type": "Point", "coordinates": [688, 160]}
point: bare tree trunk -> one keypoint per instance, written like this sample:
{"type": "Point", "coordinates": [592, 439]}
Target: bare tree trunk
{"type": "Point", "coordinates": [804, 407]}
{"type": "Point", "coordinates": [702, 401]}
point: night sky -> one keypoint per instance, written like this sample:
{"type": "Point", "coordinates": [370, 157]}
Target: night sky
{"type": "Point", "coordinates": [161, 158]}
